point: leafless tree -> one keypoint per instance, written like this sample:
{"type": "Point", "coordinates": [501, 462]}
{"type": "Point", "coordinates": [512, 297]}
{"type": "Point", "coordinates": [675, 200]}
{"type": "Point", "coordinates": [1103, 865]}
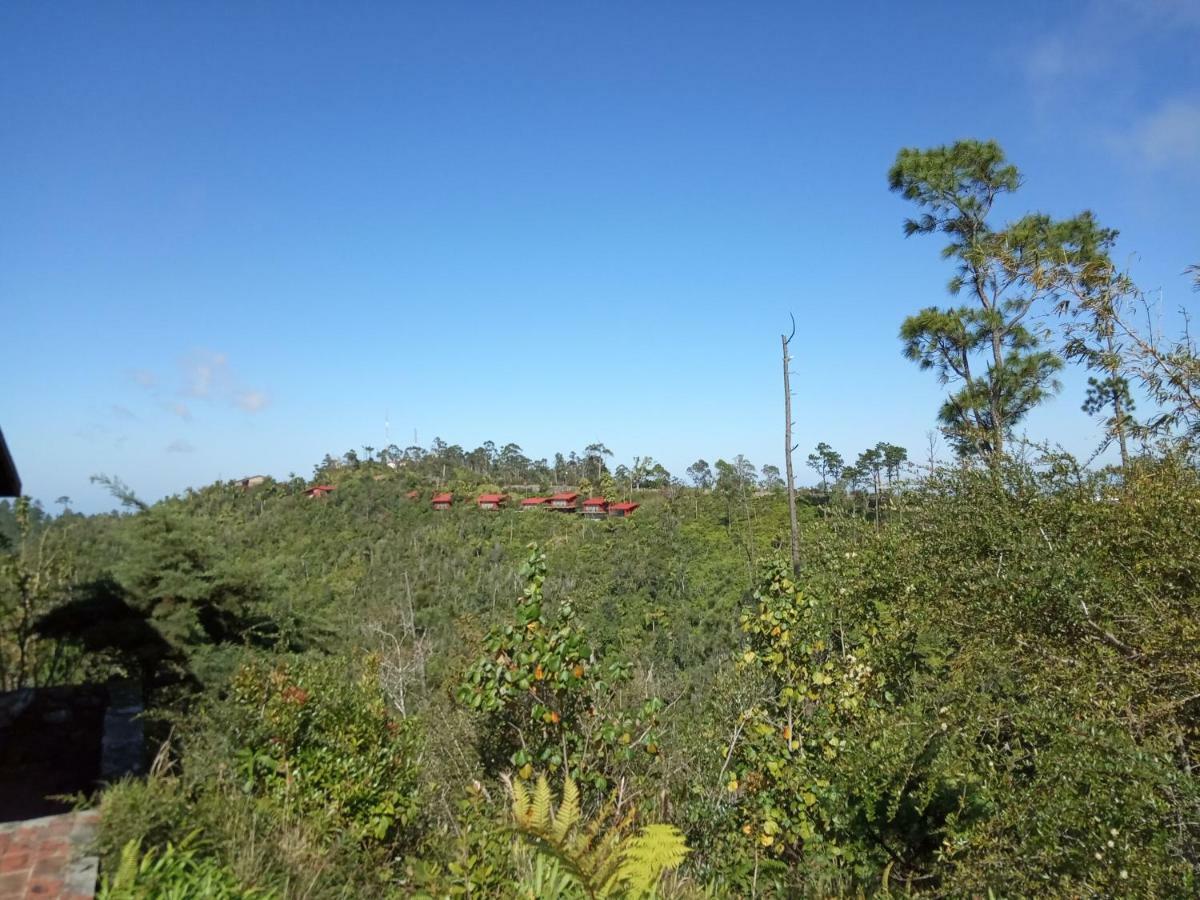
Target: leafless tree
{"type": "Point", "coordinates": [789, 448]}
{"type": "Point", "coordinates": [404, 653]}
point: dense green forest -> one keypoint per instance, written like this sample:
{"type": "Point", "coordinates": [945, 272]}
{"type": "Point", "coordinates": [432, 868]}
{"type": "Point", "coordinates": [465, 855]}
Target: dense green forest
{"type": "Point", "coordinates": [981, 679]}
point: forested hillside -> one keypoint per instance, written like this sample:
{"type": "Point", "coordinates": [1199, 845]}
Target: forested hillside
{"type": "Point", "coordinates": [993, 685]}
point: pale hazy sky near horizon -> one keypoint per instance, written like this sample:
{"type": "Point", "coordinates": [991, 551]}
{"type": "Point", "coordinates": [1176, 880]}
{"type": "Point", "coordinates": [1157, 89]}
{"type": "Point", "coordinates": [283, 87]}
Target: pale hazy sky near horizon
{"type": "Point", "coordinates": [234, 237]}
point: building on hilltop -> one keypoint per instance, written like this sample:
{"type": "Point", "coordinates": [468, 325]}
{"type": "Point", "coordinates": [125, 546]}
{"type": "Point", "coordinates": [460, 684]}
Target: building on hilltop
{"type": "Point", "coordinates": [491, 501]}
{"type": "Point", "coordinates": [442, 502]}
{"type": "Point", "coordinates": [622, 510]}
{"type": "Point", "coordinates": [533, 503]}
{"type": "Point", "coordinates": [252, 482]}
{"type": "Point", "coordinates": [320, 490]}
{"type": "Point", "coordinates": [595, 507]}
{"type": "Point", "coordinates": [564, 501]}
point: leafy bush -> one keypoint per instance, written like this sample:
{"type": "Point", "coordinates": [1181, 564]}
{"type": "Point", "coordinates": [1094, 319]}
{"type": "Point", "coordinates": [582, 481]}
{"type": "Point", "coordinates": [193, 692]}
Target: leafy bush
{"type": "Point", "coordinates": [174, 873]}
{"type": "Point", "coordinates": [546, 699]}
{"type": "Point", "coordinates": [326, 745]}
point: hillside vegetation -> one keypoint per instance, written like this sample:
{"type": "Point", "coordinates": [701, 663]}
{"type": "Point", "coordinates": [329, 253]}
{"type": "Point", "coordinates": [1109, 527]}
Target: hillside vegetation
{"type": "Point", "coordinates": [993, 686]}
{"type": "Point", "coordinates": [965, 679]}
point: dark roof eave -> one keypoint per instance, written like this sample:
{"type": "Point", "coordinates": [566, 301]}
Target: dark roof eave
{"type": "Point", "coordinates": [10, 481]}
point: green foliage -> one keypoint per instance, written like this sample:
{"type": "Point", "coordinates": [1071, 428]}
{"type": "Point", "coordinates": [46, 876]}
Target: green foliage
{"type": "Point", "coordinates": [600, 858]}
{"type": "Point", "coordinates": [788, 745]}
{"type": "Point", "coordinates": [312, 739]}
{"type": "Point", "coordinates": [35, 577]}
{"type": "Point", "coordinates": [173, 873]}
{"type": "Point", "coordinates": [546, 699]}
{"type": "Point", "coordinates": [1005, 272]}
{"type": "Point", "coordinates": [991, 689]}
{"type": "Point", "coordinates": [475, 859]}
{"type": "Point", "coordinates": [926, 710]}
{"type": "Point", "coordinates": [827, 463]}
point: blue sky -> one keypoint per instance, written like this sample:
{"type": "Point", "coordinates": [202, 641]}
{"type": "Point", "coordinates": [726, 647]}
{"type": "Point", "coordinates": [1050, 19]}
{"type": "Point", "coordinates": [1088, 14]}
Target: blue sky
{"type": "Point", "coordinates": [234, 237]}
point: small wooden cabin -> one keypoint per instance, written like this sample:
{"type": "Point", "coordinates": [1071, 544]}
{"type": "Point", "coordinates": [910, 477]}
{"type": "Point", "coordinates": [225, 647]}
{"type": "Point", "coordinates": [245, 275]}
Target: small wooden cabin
{"type": "Point", "coordinates": [442, 501]}
{"type": "Point", "coordinates": [492, 501]}
{"type": "Point", "coordinates": [622, 510]}
{"type": "Point", "coordinates": [595, 507]}
{"type": "Point", "coordinates": [564, 501]}
{"type": "Point", "coordinates": [317, 491]}
{"type": "Point", "coordinates": [533, 503]}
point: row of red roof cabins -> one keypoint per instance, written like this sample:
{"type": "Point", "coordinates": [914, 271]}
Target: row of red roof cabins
{"type": "Point", "coordinates": [566, 501]}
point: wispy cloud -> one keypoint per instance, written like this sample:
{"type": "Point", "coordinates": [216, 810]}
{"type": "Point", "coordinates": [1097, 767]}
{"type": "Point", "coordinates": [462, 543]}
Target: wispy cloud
{"type": "Point", "coordinates": [204, 376]}
{"type": "Point", "coordinates": [251, 401]}
{"type": "Point", "coordinates": [1094, 72]}
{"type": "Point", "coordinates": [208, 376]}
{"type": "Point", "coordinates": [123, 412]}
{"type": "Point", "coordinates": [1167, 137]}
{"type": "Point", "coordinates": [179, 445]}
{"type": "Point", "coordinates": [205, 372]}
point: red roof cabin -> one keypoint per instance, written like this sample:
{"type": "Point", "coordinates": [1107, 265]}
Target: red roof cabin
{"type": "Point", "coordinates": [564, 501]}
{"type": "Point", "coordinates": [595, 507]}
{"type": "Point", "coordinates": [533, 503]}
{"type": "Point", "coordinates": [492, 501]}
{"type": "Point", "coordinates": [622, 510]}
{"type": "Point", "coordinates": [442, 501]}
{"type": "Point", "coordinates": [320, 490]}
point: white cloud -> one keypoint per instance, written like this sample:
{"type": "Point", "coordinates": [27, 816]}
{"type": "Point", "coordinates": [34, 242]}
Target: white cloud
{"type": "Point", "coordinates": [208, 376]}
{"type": "Point", "coordinates": [179, 445]}
{"type": "Point", "coordinates": [204, 375]}
{"type": "Point", "coordinates": [205, 372]}
{"type": "Point", "coordinates": [1096, 64]}
{"type": "Point", "coordinates": [251, 401]}
{"type": "Point", "coordinates": [1168, 136]}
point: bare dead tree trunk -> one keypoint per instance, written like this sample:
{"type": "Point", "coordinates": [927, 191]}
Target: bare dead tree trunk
{"type": "Point", "coordinates": [788, 448]}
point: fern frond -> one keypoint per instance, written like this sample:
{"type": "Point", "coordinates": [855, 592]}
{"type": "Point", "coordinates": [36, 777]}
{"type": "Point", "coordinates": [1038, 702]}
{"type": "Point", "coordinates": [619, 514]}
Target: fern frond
{"type": "Point", "coordinates": [521, 803]}
{"type": "Point", "coordinates": [605, 855]}
{"type": "Point", "coordinates": [644, 857]}
{"type": "Point", "coordinates": [543, 803]}
{"type": "Point", "coordinates": [568, 813]}
{"type": "Point", "coordinates": [598, 857]}
{"type": "Point", "coordinates": [129, 866]}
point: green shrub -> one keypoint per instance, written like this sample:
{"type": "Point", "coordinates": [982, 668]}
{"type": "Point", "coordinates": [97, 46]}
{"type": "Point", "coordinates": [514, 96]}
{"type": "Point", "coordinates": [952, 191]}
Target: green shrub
{"type": "Point", "coordinates": [150, 811]}
{"type": "Point", "coordinates": [547, 701]}
{"type": "Point", "coordinates": [326, 746]}
{"type": "Point", "coordinates": [177, 872]}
